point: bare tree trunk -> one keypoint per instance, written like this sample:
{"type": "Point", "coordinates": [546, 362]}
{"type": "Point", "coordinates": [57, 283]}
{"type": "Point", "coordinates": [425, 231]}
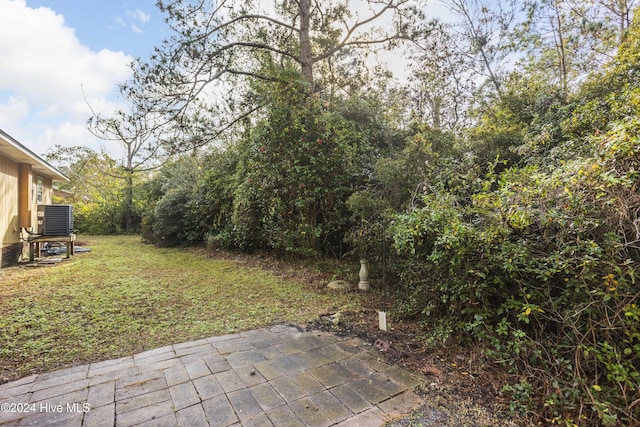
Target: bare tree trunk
{"type": "Point", "coordinates": [306, 59]}
{"type": "Point", "coordinates": [560, 47]}
{"type": "Point", "coordinates": [436, 106]}
{"type": "Point", "coordinates": [621, 9]}
{"type": "Point", "coordinates": [128, 202]}
{"type": "Point", "coordinates": [479, 37]}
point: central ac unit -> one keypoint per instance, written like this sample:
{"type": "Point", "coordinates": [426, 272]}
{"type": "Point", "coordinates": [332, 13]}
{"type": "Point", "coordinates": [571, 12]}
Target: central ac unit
{"type": "Point", "coordinates": [55, 220]}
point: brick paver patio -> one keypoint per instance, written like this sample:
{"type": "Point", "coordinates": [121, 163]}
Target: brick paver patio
{"type": "Point", "coordinates": [274, 376]}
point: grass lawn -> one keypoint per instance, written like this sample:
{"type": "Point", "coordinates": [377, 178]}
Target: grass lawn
{"type": "Point", "coordinates": [124, 297]}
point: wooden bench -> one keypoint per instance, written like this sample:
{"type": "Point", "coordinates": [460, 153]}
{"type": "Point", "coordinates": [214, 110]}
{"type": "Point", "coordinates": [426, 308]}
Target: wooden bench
{"type": "Point", "coordinates": [34, 243]}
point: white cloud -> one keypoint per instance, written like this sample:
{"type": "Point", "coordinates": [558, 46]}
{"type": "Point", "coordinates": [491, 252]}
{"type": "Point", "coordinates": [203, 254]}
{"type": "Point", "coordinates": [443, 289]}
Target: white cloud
{"type": "Point", "coordinates": [139, 18]}
{"type": "Point", "coordinates": [139, 15]}
{"type": "Point", "coordinates": [119, 21]}
{"type": "Point", "coordinates": [47, 75]}
{"type": "Point", "coordinates": [14, 109]}
{"type": "Point", "coordinates": [43, 59]}
{"type": "Point", "coordinates": [67, 133]}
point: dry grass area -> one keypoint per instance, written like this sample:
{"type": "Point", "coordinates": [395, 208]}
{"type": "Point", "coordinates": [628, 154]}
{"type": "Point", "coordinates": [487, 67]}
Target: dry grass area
{"type": "Point", "coordinates": [124, 297]}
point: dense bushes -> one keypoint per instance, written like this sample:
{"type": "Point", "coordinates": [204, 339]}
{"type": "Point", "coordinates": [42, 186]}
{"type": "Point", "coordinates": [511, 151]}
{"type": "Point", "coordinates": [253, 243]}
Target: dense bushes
{"type": "Point", "coordinates": [98, 217]}
{"type": "Point", "coordinates": [301, 165]}
{"type": "Point", "coordinates": [283, 186]}
{"type": "Point", "coordinates": [520, 232]}
{"type": "Point", "coordinates": [535, 270]}
{"type": "Point", "coordinates": [190, 198]}
{"type": "Point", "coordinates": [540, 263]}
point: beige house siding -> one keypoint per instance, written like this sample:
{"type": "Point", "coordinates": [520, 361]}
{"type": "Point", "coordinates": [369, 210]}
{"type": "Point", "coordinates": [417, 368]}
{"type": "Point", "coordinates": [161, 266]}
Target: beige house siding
{"type": "Point", "coordinates": [9, 231]}
{"type": "Point", "coordinates": [20, 173]}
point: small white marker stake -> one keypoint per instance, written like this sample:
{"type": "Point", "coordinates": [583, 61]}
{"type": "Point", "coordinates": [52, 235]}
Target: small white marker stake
{"type": "Point", "coordinates": [382, 320]}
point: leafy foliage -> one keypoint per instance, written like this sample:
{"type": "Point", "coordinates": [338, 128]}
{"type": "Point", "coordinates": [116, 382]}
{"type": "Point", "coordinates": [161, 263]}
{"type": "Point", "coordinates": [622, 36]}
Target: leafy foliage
{"type": "Point", "coordinates": [301, 165]}
{"type": "Point", "coordinates": [541, 263]}
{"type": "Point", "coordinates": [510, 218]}
{"type": "Point", "coordinates": [283, 186]}
{"type": "Point", "coordinates": [189, 199]}
{"type": "Point", "coordinates": [97, 191]}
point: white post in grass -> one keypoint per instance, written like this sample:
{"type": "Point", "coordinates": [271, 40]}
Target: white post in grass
{"type": "Point", "coordinates": [364, 275]}
{"type": "Point", "coordinates": [382, 320]}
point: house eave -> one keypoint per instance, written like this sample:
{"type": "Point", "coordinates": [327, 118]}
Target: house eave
{"type": "Point", "coordinates": [13, 150]}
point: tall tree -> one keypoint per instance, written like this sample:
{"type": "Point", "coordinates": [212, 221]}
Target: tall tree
{"type": "Point", "coordinates": [605, 22]}
{"type": "Point", "coordinates": [620, 12]}
{"type": "Point", "coordinates": [565, 40]}
{"type": "Point", "coordinates": [95, 187]}
{"type": "Point", "coordinates": [136, 129]}
{"type": "Point", "coordinates": [551, 38]}
{"type": "Point", "coordinates": [219, 47]}
{"type": "Point", "coordinates": [442, 78]}
{"type": "Point", "coordinates": [486, 26]}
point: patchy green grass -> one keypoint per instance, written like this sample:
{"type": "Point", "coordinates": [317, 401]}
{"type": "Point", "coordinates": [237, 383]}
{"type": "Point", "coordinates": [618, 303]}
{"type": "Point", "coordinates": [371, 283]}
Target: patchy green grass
{"type": "Point", "coordinates": [125, 297]}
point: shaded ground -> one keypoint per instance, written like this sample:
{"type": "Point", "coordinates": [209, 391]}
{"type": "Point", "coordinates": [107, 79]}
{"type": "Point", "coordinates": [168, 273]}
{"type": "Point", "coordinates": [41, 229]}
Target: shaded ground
{"type": "Point", "coordinates": [464, 387]}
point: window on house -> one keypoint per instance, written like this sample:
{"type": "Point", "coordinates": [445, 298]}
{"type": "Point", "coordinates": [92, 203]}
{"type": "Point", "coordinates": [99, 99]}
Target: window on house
{"type": "Point", "coordinates": [39, 190]}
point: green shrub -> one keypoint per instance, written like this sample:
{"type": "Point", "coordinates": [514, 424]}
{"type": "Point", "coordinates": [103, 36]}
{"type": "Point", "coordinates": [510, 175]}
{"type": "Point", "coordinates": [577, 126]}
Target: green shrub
{"type": "Point", "coordinates": [300, 164]}
{"type": "Point", "coordinates": [539, 270]}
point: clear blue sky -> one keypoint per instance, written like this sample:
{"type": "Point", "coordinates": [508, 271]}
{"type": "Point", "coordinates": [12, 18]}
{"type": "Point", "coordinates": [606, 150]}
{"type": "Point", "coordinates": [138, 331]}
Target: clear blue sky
{"type": "Point", "coordinates": [133, 26]}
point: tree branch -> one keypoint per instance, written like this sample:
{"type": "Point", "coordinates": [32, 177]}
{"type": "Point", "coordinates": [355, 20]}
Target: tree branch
{"type": "Point", "coordinates": [350, 31]}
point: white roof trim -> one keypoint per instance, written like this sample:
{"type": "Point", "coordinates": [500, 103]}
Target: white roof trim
{"type": "Point", "coordinates": [17, 152]}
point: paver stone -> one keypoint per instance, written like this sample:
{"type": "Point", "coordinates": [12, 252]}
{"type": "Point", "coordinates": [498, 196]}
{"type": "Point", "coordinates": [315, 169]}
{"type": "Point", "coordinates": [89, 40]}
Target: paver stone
{"type": "Point", "coordinates": [219, 411]}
